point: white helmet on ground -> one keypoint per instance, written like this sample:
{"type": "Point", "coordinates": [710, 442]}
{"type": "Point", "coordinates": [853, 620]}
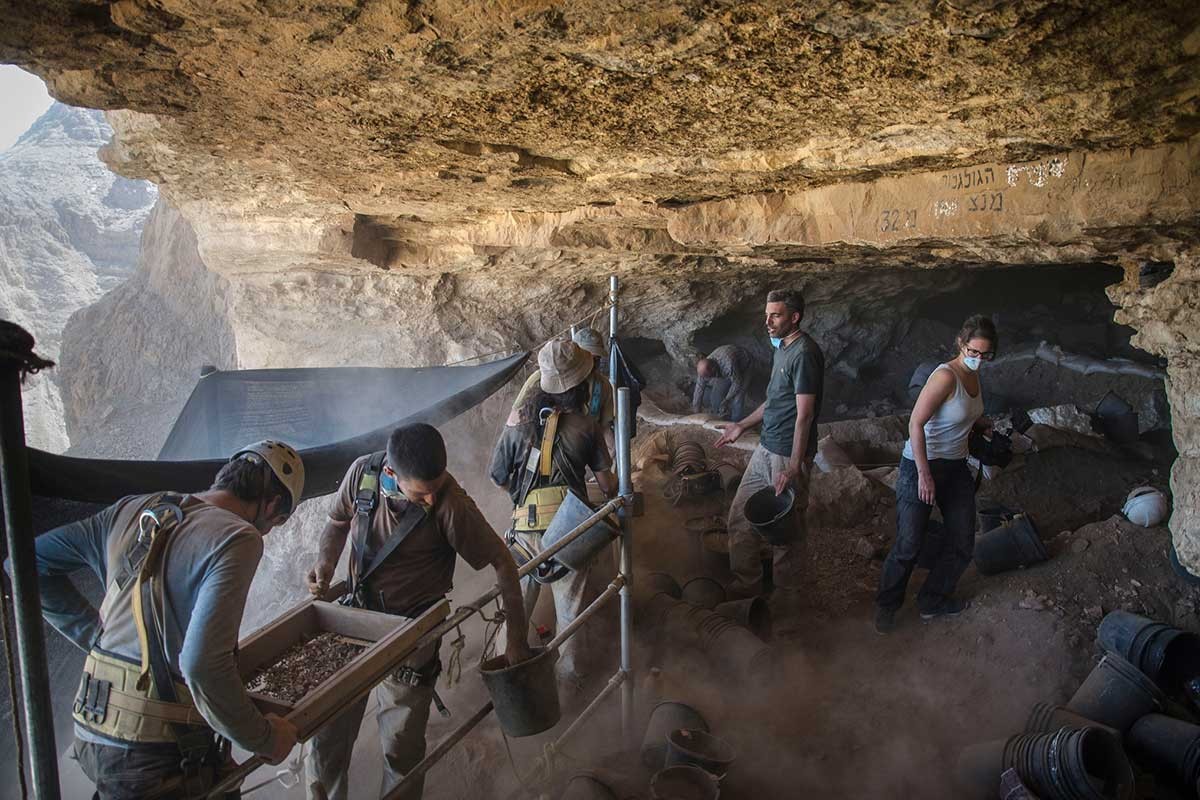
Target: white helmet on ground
{"type": "Point", "coordinates": [1146, 506]}
{"type": "Point", "coordinates": [284, 462]}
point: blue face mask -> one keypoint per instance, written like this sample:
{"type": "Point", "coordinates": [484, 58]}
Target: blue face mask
{"type": "Point", "coordinates": [775, 342]}
{"type": "Point", "coordinates": [388, 486]}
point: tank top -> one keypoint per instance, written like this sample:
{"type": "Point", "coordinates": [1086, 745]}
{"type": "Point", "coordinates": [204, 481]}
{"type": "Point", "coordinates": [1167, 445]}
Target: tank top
{"type": "Point", "coordinates": [947, 430]}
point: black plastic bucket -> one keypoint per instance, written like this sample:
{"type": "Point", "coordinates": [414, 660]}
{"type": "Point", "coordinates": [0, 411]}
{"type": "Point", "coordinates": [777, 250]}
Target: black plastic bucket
{"type": "Point", "coordinates": [1069, 764]}
{"type": "Point", "coordinates": [771, 515]}
{"type": "Point", "coordinates": [1170, 745]}
{"type": "Point", "coordinates": [713, 546]}
{"type": "Point", "coordinates": [1083, 763]}
{"type": "Point", "coordinates": [993, 515]}
{"type": "Point", "coordinates": [700, 749]}
{"type": "Point", "coordinates": [1167, 655]}
{"type": "Point", "coordinates": [704, 592]}
{"type": "Point", "coordinates": [667, 716]}
{"type": "Point", "coordinates": [1047, 718]}
{"type": "Point", "coordinates": [1116, 694]}
{"type": "Point", "coordinates": [525, 695]}
{"type": "Point", "coordinates": [1012, 545]}
{"type": "Point", "coordinates": [752, 613]}
{"type": "Point", "coordinates": [664, 583]}
{"type": "Point", "coordinates": [1122, 429]}
{"type": "Point", "coordinates": [587, 786]}
{"type": "Point", "coordinates": [684, 783]}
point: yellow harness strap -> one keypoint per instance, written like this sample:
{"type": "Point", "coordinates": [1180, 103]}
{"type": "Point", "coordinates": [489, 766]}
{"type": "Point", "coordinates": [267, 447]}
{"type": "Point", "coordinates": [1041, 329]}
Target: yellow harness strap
{"type": "Point", "coordinates": [158, 542]}
{"type": "Point", "coordinates": [547, 461]}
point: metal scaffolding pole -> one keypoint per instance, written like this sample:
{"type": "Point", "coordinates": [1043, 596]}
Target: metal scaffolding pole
{"type": "Point", "coordinates": [623, 434]}
{"type": "Point", "coordinates": [27, 604]}
{"type": "Point", "coordinates": [626, 570]}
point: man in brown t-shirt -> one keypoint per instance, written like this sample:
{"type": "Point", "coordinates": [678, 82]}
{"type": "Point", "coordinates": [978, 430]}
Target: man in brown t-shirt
{"type": "Point", "coordinates": [416, 575]}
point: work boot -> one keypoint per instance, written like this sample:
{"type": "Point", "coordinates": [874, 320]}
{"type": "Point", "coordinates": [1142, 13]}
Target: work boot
{"type": "Point", "coordinates": [885, 620]}
{"type": "Point", "coordinates": [950, 607]}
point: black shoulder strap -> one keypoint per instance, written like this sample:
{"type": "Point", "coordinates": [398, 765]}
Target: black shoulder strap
{"type": "Point", "coordinates": [413, 516]}
{"type": "Point", "coordinates": [366, 500]}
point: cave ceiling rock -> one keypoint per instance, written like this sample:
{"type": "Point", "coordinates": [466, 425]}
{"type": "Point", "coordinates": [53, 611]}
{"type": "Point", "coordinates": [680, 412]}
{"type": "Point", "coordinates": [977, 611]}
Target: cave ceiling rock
{"type": "Point", "coordinates": [547, 107]}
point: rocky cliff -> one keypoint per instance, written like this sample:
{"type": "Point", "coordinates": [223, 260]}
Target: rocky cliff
{"type": "Point", "coordinates": [69, 231]}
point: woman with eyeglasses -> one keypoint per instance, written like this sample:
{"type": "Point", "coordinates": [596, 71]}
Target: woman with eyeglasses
{"type": "Point", "coordinates": [934, 470]}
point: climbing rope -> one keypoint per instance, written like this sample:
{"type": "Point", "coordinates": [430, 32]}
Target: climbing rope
{"type": "Point", "coordinates": [494, 624]}
{"type": "Point", "coordinates": [454, 667]}
{"type": "Point", "coordinates": [11, 662]}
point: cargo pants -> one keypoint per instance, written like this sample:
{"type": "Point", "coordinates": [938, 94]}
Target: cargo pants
{"type": "Point", "coordinates": [748, 549]}
{"type": "Point", "coordinates": [141, 772]}
{"type": "Point", "coordinates": [574, 592]}
{"type": "Point", "coordinates": [402, 716]}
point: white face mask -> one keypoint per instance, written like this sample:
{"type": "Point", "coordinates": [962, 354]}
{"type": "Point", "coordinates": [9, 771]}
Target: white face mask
{"type": "Point", "coordinates": [972, 364]}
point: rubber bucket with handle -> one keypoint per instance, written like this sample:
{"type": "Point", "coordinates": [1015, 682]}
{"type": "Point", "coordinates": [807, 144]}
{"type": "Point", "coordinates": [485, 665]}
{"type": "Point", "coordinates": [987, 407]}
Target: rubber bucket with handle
{"type": "Point", "coordinates": [579, 553]}
{"type": "Point", "coordinates": [771, 515]}
{"type": "Point", "coordinates": [525, 695]}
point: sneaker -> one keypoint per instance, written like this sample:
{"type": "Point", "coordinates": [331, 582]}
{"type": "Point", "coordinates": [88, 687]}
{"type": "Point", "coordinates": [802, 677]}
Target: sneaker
{"type": "Point", "coordinates": [950, 607]}
{"type": "Point", "coordinates": [885, 620]}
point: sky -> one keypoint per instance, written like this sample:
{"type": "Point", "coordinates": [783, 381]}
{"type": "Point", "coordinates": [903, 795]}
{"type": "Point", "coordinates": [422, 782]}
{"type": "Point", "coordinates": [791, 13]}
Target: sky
{"type": "Point", "coordinates": [23, 98]}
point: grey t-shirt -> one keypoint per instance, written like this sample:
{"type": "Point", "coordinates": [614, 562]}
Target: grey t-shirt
{"type": "Point", "coordinates": [797, 368]}
{"type": "Point", "coordinates": [210, 562]}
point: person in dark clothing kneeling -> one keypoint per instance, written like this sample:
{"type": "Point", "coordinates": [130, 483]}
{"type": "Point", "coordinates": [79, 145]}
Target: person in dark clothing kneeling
{"type": "Point", "coordinates": [934, 470]}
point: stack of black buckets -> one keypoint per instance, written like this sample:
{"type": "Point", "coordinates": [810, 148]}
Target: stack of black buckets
{"type": "Point", "coordinates": [1139, 702]}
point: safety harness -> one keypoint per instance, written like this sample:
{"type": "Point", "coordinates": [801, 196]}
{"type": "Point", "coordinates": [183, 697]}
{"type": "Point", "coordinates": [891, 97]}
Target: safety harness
{"type": "Point", "coordinates": [366, 503]}
{"type": "Point", "coordinates": [140, 701]}
{"type": "Point", "coordinates": [539, 499]}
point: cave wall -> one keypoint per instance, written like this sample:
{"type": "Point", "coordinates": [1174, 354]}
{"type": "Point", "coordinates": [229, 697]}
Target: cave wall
{"type": "Point", "coordinates": [1167, 319]}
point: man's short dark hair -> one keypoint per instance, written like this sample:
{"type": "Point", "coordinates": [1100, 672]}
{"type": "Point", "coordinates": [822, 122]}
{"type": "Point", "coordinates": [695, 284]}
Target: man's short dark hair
{"type": "Point", "coordinates": [790, 298]}
{"type": "Point", "coordinates": [250, 479]}
{"type": "Point", "coordinates": [417, 452]}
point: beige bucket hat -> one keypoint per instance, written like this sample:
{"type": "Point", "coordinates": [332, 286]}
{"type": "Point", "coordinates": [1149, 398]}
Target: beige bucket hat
{"type": "Point", "coordinates": [564, 365]}
{"type": "Point", "coordinates": [589, 339]}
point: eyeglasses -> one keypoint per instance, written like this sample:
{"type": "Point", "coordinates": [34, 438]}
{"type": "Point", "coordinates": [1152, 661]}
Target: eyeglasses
{"type": "Point", "coordinates": [986, 355]}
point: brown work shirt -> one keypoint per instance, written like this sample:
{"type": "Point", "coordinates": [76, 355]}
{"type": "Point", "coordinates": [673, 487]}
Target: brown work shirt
{"type": "Point", "coordinates": [421, 570]}
{"type": "Point", "coordinates": [578, 445]}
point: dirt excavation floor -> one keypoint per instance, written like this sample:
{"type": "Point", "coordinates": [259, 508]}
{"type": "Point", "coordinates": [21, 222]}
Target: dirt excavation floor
{"type": "Point", "coordinates": [851, 713]}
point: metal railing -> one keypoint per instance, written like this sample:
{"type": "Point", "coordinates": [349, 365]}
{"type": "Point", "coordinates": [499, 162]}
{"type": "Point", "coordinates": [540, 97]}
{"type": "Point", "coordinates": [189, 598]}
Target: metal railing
{"type": "Point", "coordinates": [621, 585]}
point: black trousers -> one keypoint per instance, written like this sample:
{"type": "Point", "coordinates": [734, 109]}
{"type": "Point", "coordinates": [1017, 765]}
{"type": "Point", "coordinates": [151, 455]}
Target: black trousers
{"type": "Point", "coordinates": [954, 493]}
{"type": "Point", "coordinates": [133, 773]}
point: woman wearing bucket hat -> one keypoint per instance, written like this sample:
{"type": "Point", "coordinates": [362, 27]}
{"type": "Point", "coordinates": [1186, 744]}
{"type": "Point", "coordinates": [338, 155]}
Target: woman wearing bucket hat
{"type": "Point", "coordinates": [538, 462]}
{"type": "Point", "coordinates": [934, 470]}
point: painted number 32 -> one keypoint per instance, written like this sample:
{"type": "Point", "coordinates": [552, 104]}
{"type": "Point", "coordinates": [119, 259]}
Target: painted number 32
{"type": "Point", "coordinates": [895, 219]}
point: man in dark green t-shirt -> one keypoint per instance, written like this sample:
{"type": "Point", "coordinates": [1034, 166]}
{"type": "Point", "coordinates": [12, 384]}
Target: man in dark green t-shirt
{"type": "Point", "coordinates": [784, 455]}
